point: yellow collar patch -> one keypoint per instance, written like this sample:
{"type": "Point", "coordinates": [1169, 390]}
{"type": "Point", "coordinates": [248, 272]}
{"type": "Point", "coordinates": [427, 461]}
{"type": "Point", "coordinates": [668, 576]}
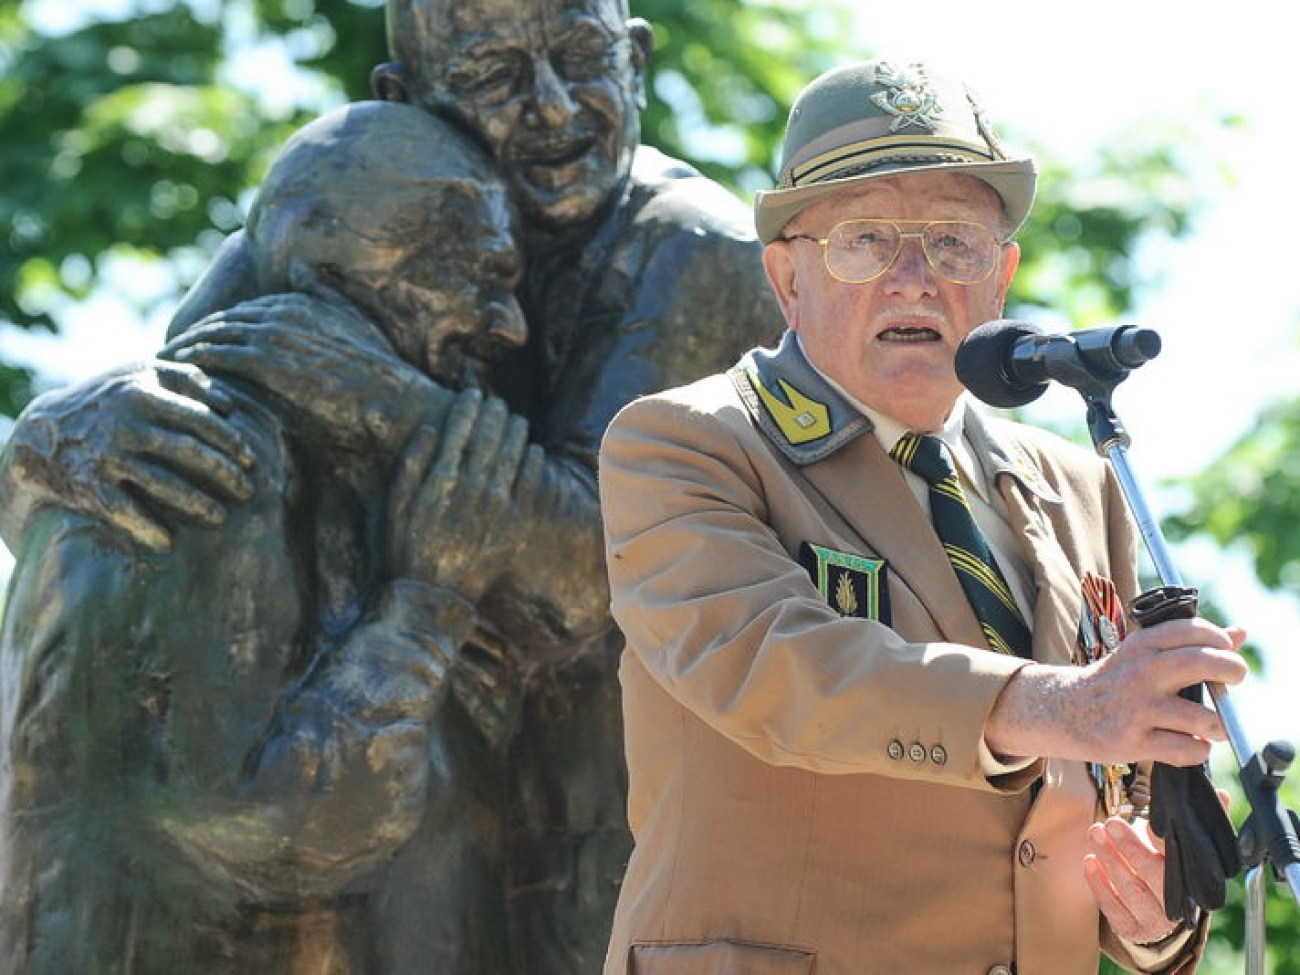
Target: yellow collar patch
{"type": "Point", "coordinates": [799, 418]}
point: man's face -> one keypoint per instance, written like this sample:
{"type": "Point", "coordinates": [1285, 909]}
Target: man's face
{"type": "Point", "coordinates": [446, 299]}
{"type": "Point", "coordinates": [890, 342]}
{"type": "Point", "coordinates": [554, 87]}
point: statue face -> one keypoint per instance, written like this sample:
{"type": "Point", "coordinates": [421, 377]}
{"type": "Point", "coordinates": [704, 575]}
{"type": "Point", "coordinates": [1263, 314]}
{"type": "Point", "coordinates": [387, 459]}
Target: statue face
{"type": "Point", "coordinates": [554, 87]}
{"type": "Point", "coordinates": [445, 297]}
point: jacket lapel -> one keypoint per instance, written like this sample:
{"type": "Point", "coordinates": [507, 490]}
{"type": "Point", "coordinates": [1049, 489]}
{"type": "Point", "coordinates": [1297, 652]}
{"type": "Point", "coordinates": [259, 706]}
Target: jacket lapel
{"type": "Point", "coordinates": [1031, 504]}
{"type": "Point", "coordinates": [816, 429]}
{"type": "Point", "coordinates": [819, 431]}
{"type": "Point", "coordinates": [892, 525]}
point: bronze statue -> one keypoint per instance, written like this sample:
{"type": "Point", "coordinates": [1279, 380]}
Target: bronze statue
{"type": "Point", "coordinates": [638, 274]}
{"type": "Point", "coordinates": [226, 754]}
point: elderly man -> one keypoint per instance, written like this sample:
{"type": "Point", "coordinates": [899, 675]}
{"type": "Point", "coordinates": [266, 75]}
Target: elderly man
{"type": "Point", "coordinates": [856, 732]}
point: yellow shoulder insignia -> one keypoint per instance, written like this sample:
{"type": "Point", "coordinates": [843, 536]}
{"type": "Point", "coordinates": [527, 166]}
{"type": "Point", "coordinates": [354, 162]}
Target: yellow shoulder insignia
{"type": "Point", "coordinates": [801, 419]}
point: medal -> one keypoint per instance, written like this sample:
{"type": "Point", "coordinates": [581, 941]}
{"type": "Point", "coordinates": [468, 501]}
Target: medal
{"type": "Point", "coordinates": [1122, 790]}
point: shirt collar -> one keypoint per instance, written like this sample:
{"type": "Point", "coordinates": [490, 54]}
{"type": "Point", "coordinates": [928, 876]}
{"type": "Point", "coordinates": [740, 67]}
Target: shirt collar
{"type": "Point", "coordinates": [953, 432]}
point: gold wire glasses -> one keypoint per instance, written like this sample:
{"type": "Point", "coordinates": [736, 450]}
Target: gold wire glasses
{"type": "Point", "coordinates": [857, 251]}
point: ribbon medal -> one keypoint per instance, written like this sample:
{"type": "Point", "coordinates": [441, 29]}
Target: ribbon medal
{"type": "Point", "coordinates": [1121, 787]}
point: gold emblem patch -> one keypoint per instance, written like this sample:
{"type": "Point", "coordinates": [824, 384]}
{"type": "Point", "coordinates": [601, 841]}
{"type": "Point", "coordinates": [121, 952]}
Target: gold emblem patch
{"type": "Point", "coordinates": [853, 584]}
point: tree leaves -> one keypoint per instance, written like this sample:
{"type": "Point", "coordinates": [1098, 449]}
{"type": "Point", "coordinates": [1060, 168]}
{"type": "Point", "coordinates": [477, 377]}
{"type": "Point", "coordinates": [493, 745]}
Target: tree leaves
{"type": "Point", "coordinates": [141, 133]}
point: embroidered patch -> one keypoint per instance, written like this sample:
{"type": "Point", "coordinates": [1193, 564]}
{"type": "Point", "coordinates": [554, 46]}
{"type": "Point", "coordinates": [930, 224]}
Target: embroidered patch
{"type": "Point", "coordinates": [853, 584]}
{"type": "Point", "coordinates": [799, 418]}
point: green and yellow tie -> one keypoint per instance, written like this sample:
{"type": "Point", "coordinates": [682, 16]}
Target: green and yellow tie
{"type": "Point", "coordinates": [967, 549]}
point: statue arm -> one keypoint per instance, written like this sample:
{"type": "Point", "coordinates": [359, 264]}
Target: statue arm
{"type": "Point", "coordinates": [228, 280]}
{"type": "Point", "coordinates": [139, 447]}
{"type": "Point", "coordinates": [144, 706]}
{"type": "Point", "coordinates": [140, 444]}
{"type": "Point", "coordinates": [696, 302]}
{"type": "Point", "coordinates": [355, 752]}
{"type": "Point", "coordinates": [352, 758]}
{"type": "Point", "coordinates": [553, 597]}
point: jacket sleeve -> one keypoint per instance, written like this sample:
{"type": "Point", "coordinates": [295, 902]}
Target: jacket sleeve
{"type": "Point", "coordinates": [729, 624]}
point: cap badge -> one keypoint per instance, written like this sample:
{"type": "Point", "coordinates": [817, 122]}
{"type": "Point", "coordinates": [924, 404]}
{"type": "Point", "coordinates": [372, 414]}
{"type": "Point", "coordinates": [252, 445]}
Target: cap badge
{"type": "Point", "coordinates": [907, 96]}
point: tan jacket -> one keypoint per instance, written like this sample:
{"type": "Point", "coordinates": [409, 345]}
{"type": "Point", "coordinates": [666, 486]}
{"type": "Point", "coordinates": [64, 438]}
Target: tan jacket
{"type": "Point", "coordinates": [806, 791]}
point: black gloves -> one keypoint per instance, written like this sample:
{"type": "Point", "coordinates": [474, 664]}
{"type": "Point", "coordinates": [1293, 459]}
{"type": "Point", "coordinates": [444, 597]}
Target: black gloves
{"type": "Point", "coordinates": [1200, 844]}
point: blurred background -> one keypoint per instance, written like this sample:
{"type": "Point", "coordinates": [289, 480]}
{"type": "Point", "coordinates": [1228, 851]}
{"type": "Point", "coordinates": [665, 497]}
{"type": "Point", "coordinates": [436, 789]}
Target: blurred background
{"type": "Point", "coordinates": [133, 134]}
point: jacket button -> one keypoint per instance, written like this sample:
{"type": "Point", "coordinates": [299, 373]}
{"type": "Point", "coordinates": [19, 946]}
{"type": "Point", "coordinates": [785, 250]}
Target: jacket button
{"type": "Point", "coordinates": [895, 749]}
{"type": "Point", "coordinates": [916, 752]}
{"type": "Point", "coordinates": [999, 970]}
{"type": "Point", "coordinates": [1026, 854]}
{"type": "Point", "coordinates": [939, 755]}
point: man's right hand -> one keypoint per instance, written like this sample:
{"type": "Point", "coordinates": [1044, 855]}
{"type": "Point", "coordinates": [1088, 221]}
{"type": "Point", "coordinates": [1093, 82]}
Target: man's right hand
{"type": "Point", "coordinates": [133, 447]}
{"type": "Point", "coordinates": [1125, 707]}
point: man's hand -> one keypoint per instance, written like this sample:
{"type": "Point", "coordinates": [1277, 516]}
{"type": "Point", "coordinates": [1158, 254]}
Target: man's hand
{"type": "Point", "coordinates": [453, 506]}
{"type": "Point", "coordinates": [1125, 872]}
{"type": "Point", "coordinates": [133, 447]}
{"type": "Point", "coordinates": [1125, 707]}
{"type": "Point", "coordinates": [326, 369]}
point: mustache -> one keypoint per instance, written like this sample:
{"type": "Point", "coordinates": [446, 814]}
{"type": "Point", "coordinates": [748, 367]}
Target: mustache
{"type": "Point", "coordinates": [552, 147]}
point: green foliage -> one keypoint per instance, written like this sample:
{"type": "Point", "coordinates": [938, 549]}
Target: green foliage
{"type": "Point", "coordinates": [724, 73]}
{"type": "Point", "coordinates": [1090, 218]}
{"type": "Point", "coordinates": [15, 389]}
{"type": "Point", "coordinates": [311, 29]}
{"type": "Point", "coordinates": [114, 135]}
{"type": "Point", "coordinates": [1249, 498]}
{"type": "Point", "coordinates": [136, 135]}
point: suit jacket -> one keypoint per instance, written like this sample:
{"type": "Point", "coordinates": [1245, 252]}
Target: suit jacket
{"type": "Point", "coordinates": [809, 791]}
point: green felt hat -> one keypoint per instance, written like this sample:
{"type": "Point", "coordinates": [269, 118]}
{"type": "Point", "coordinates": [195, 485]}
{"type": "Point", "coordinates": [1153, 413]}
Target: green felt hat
{"type": "Point", "coordinates": [877, 118]}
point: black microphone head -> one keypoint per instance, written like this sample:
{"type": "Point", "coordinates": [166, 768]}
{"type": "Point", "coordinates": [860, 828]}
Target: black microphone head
{"type": "Point", "coordinates": [1134, 346]}
{"type": "Point", "coordinates": [982, 360]}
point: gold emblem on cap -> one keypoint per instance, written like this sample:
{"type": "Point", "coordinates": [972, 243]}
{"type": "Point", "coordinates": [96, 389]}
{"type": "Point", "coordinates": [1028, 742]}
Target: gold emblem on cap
{"type": "Point", "coordinates": [908, 97]}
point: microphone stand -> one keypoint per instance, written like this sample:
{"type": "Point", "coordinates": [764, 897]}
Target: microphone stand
{"type": "Point", "coordinates": [1269, 834]}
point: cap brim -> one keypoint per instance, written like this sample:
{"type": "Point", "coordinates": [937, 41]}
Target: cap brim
{"type": "Point", "coordinates": [1014, 180]}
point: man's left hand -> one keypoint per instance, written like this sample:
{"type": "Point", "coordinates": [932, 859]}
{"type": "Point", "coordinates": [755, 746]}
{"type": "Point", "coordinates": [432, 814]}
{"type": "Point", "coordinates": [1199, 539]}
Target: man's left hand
{"type": "Point", "coordinates": [1125, 871]}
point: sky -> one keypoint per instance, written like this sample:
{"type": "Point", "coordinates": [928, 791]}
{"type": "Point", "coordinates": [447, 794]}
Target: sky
{"type": "Point", "coordinates": [1068, 77]}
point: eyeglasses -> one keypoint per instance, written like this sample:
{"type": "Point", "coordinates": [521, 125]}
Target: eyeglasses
{"type": "Point", "coordinates": [857, 251]}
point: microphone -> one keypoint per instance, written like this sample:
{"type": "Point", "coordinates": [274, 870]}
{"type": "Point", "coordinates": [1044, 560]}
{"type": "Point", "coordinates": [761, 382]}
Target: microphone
{"type": "Point", "coordinates": [1008, 363]}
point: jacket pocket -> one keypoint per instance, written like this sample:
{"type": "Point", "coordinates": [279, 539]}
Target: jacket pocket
{"type": "Point", "coordinates": [717, 958]}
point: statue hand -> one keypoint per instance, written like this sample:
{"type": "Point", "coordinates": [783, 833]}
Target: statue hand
{"type": "Point", "coordinates": [458, 494]}
{"type": "Point", "coordinates": [131, 447]}
{"type": "Point", "coordinates": [323, 366]}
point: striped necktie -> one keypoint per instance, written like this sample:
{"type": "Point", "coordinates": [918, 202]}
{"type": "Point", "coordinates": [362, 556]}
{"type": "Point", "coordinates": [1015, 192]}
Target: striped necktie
{"type": "Point", "coordinates": [967, 549]}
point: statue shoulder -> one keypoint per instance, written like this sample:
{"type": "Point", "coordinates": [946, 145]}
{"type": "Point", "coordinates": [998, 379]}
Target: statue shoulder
{"type": "Point", "coordinates": [228, 280]}
{"type": "Point", "coordinates": [667, 192]}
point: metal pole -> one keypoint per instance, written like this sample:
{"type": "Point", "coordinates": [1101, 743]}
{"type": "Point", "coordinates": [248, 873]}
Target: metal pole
{"type": "Point", "coordinates": [1155, 542]}
{"type": "Point", "coordinates": [1256, 939]}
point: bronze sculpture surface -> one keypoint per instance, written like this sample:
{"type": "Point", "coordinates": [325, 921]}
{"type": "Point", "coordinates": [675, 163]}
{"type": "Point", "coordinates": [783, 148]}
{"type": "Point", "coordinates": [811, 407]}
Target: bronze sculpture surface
{"type": "Point", "coordinates": [290, 416]}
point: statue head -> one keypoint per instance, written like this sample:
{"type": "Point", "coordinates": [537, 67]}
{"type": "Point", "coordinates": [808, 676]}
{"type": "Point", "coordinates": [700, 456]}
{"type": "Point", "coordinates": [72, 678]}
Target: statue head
{"type": "Point", "coordinates": [553, 88]}
{"type": "Point", "coordinates": [401, 213]}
